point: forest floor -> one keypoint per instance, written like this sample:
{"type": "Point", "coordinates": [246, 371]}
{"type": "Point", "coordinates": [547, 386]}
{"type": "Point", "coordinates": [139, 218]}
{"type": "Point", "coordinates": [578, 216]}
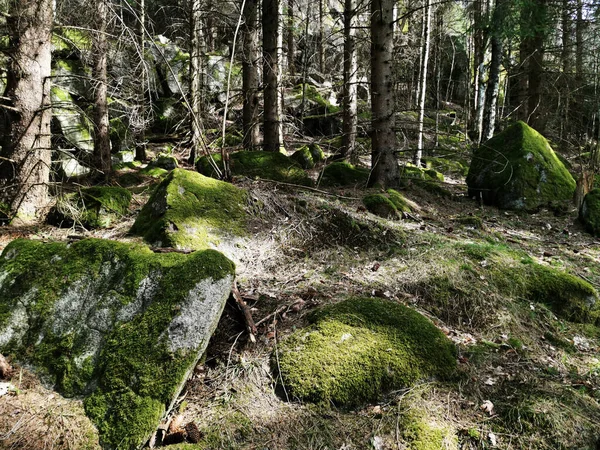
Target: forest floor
{"type": "Point", "coordinates": [526, 378]}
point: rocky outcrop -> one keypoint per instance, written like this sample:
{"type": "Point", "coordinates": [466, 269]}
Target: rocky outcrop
{"type": "Point", "coordinates": [112, 322]}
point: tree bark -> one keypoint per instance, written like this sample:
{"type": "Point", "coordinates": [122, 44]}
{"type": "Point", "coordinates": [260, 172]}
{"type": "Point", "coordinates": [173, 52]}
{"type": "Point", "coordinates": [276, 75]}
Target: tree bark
{"type": "Point", "coordinates": [350, 101]}
{"type": "Point", "coordinates": [423, 81]}
{"type": "Point", "coordinates": [271, 75]}
{"type": "Point", "coordinates": [493, 84]}
{"type": "Point", "coordinates": [102, 160]}
{"type": "Point", "coordinates": [197, 51]}
{"type": "Point", "coordinates": [140, 146]}
{"type": "Point", "coordinates": [250, 76]}
{"type": "Point", "coordinates": [384, 161]}
{"type": "Point", "coordinates": [26, 151]}
{"type": "Point", "coordinates": [291, 41]}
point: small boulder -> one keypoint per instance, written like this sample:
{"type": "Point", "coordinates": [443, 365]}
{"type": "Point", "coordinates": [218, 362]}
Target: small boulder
{"type": "Point", "coordinates": [189, 211]}
{"type": "Point", "coordinates": [317, 153]}
{"type": "Point", "coordinates": [589, 214]}
{"type": "Point", "coordinates": [94, 207]}
{"type": "Point", "coordinates": [303, 157]}
{"type": "Point", "coordinates": [517, 169]}
{"type": "Point", "coordinates": [343, 173]}
{"type": "Point", "coordinates": [273, 166]}
{"type": "Point", "coordinates": [381, 206]}
{"type": "Point", "coordinates": [164, 161]}
{"type": "Point", "coordinates": [358, 349]}
{"type": "Point", "coordinates": [111, 322]}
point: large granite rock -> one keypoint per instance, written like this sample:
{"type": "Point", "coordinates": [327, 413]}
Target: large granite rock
{"type": "Point", "coordinates": [112, 322]}
{"type": "Point", "coordinates": [189, 211]}
{"type": "Point", "coordinates": [517, 169]}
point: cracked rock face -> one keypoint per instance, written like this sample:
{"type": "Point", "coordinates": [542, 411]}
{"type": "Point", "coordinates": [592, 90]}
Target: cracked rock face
{"type": "Point", "coordinates": [112, 322]}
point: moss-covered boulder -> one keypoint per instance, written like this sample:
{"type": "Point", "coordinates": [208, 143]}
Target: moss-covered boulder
{"type": "Point", "coordinates": [112, 322]}
{"type": "Point", "coordinates": [70, 121]}
{"type": "Point", "coordinates": [447, 166]}
{"type": "Point", "coordinates": [399, 201]}
{"type": "Point", "coordinates": [94, 207]}
{"type": "Point", "coordinates": [410, 171]}
{"type": "Point", "coordinates": [589, 214]}
{"type": "Point", "coordinates": [303, 157]}
{"type": "Point", "coordinates": [357, 349]}
{"type": "Point", "coordinates": [192, 212]}
{"type": "Point", "coordinates": [266, 165]}
{"type": "Point", "coordinates": [317, 153]}
{"type": "Point", "coordinates": [343, 173]}
{"type": "Point", "coordinates": [164, 161]}
{"type": "Point", "coordinates": [381, 205]}
{"type": "Point", "coordinates": [517, 169]}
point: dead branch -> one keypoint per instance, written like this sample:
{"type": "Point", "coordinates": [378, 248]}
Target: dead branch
{"type": "Point", "coordinates": [249, 321]}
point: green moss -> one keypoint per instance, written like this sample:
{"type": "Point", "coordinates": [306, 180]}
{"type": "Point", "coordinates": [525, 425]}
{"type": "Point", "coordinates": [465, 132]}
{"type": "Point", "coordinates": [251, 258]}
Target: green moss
{"type": "Point", "coordinates": [267, 165]}
{"type": "Point", "coordinates": [343, 174]}
{"type": "Point", "coordinates": [191, 211]}
{"type": "Point", "coordinates": [164, 161]}
{"type": "Point", "coordinates": [470, 221]}
{"type": "Point", "coordinates": [589, 213]}
{"type": "Point", "coordinates": [356, 350]}
{"type": "Point", "coordinates": [232, 139]}
{"type": "Point", "coordinates": [303, 156]}
{"type": "Point", "coordinates": [134, 375]}
{"type": "Point", "coordinates": [398, 200]}
{"type": "Point", "coordinates": [317, 153]}
{"type": "Point", "coordinates": [434, 188]}
{"type": "Point", "coordinates": [422, 433]}
{"type": "Point", "coordinates": [380, 205]}
{"type": "Point", "coordinates": [313, 95]}
{"type": "Point", "coordinates": [95, 207]}
{"type": "Point", "coordinates": [154, 172]}
{"type": "Point", "coordinates": [517, 169]}
{"type": "Point", "coordinates": [409, 171]}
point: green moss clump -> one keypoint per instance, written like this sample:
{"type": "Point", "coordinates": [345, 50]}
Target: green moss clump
{"type": "Point", "coordinates": [410, 171]}
{"type": "Point", "coordinates": [95, 207]}
{"type": "Point", "coordinates": [422, 433]}
{"type": "Point", "coordinates": [191, 211]}
{"type": "Point", "coordinates": [267, 165]}
{"type": "Point", "coordinates": [303, 156]}
{"type": "Point", "coordinates": [313, 95]}
{"type": "Point", "coordinates": [317, 153]}
{"type": "Point", "coordinates": [357, 349]}
{"type": "Point", "coordinates": [517, 169]}
{"type": "Point", "coordinates": [164, 161]}
{"type": "Point", "coordinates": [589, 214]}
{"type": "Point", "coordinates": [470, 221]}
{"type": "Point", "coordinates": [449, 166]}
{"type": "Point", "coordinates": [343, 174]}
{"type": "Point", "coordinates": [98, 323]}
{"type": "Point", "coordinates": [380, 205]}
{"type": "Point", "coordinates": [154, 172]}
{"type": "Point", "coordinates": [399, 201]}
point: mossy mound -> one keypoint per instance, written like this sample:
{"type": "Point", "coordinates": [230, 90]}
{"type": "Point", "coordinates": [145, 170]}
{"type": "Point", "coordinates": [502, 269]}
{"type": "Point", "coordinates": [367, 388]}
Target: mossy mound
{"type": "Point", "coordinates": [447, 166]}
{"type": "Point", "coordinates": [266, 165]}
{"type": "Point", "coordinates": [589, 214]}
{"type": "Point", "coordinates": [381, 206]}
{"type": "Point", "coordinates": [399, 201]}
{"type": "Point", "coordinates": [517, 169]}
{"type": "Point", "coordinates": [303, 157]}
{"type": "Point", "coordinates": [190, 211]}
{"type": "Point", "coordinates": [112, 322]}
{"type": "Point", "coordinates": [154, 172]}
{"type": "Point", "coordinates": [343, 173]}
{"type": "Point", "coordinates": [421, 432]}
{"type": "Point", "coordinates": [410, 171]}
{"type": "Point", "coordinates": [358, 349]}
{"type": "Point", "coordinates": [317, 153]}
{"type": "Point", "coordinates": [164, 161]}
{"type": "Point", "coordinates": [94, 207]}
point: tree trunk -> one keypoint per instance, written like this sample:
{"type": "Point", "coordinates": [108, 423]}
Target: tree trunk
{"type": "Point", "coordinates": [291, 41]}
{"type": "Point", "coordinates": [26, 151]}
{"type": "Point", "coordinates": [250, 76]}
{"type": "Point", "coordinates": [321, 43]}
{"type": "Point", "coordinates": [102, 160]}
{"type": "Point", "coordinates": [493, 85]}
{"type": "Point", "coordinates": [197, 51]}
{"type": "Point", "coordinates": [423, 81]}
{"type": "Point", "coordinates": [140, 146]}
{"type": "Point", "coordinates": [384, 161]}
{"type": "Point", "coordinates": [350, 82]}
{"type": "Point", "coordinates": [271, 76]}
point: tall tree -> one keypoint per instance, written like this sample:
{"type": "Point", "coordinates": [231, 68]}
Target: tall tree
{"type": "Point", "coordinates": [350, 100]}
{"type": "Point", "coordinates": [423, 78]}
{"type": "Point", "coordinates": [99, 75]}
{"type": "Point", "coordinates": [197, 52]}
{"type": "Point", "coordinates": [26, 153]}
{"type": "Point", "coordinates": [140, 147]}
{"type": "Point", "coordinates": [250, 75]}
{"type": "Point", "coordinates": [493, 84]}
{"type": "Point", "coordinates": [271, 75]}
{"type": "Point", "coordinates": [384, 161]}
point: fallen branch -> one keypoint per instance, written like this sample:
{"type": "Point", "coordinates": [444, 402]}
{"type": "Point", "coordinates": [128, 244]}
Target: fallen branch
{"type": "Point", "coordinates": [248, 320]}
{"type": "Point", "coordinates": [274, 313]}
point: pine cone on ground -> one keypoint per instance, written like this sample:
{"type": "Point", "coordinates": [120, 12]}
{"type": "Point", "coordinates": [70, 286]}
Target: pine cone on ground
{"type": "Point", "coordinates": [193, 433]}
{"type": "Point", "coordinates": [174, 438]}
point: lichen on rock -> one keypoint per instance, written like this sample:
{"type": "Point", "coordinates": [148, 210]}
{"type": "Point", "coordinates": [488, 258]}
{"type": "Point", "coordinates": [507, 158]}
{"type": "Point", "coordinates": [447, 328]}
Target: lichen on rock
{"type": "Point", "coordinates": [112, 322]}
{"type": "Point", "coordinates": [517, 169]}
{"type": "Point", "coordinates": [193, 212]}
{"type": "Point", "coordinates": [358, 349]}
{"type": "Point", "coordinates": [589, 214]}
